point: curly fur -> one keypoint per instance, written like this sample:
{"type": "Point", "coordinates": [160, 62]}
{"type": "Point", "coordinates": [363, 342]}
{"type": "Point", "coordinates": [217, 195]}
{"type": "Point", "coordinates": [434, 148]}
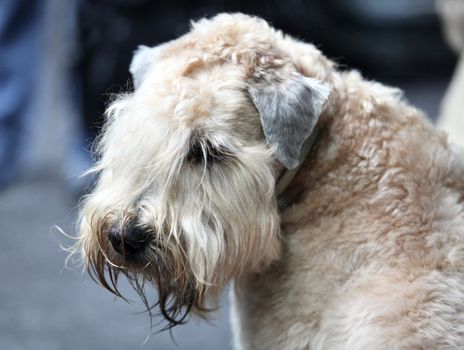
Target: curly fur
{"type": "Point", "coordinates": [369, 255]}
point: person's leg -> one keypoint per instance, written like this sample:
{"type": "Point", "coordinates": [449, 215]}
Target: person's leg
{"type": "Point", "coordinates": [20, 23]}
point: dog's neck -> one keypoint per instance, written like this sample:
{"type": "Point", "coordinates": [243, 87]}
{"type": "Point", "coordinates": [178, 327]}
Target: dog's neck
{"type": "Point", "coordinates": [350, 134]}
{"type": "Point", "coordinates": [288, 175]}
{"type": "Point", "coordinates": [291, 181]}
{"type": "Point", "coordinates": [323, 149]}
{"type": "Point", "coordinates": [291, 185]}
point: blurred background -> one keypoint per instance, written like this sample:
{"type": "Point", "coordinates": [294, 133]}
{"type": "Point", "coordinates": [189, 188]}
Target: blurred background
{"type": "Point", "coordinates": [60, 62]}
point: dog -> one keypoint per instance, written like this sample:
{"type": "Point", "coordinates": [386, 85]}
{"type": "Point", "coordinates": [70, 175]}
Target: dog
{"type": "Point", "coordinates": [245, 155]}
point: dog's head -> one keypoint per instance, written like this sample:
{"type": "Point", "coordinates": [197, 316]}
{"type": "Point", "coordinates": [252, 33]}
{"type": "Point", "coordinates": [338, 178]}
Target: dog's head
{"type": "Point", "coordinates": [189, 160]}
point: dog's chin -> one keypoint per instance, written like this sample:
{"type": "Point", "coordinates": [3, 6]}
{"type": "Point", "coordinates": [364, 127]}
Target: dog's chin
{"type": "Point", "coordinates": [177, 296]}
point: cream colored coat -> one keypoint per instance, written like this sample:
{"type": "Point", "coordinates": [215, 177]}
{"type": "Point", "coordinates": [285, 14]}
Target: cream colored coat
{"type": "Point", "coordinates": [368, 255]}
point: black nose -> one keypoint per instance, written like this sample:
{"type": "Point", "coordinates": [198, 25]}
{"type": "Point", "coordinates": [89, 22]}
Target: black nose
{"type": "Point", "coordinates": [129, 241]}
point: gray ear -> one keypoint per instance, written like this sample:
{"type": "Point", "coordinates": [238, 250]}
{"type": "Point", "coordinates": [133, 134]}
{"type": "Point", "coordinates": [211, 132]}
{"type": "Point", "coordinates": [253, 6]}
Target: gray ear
{"type": "Point", "coordinates": [141, 62]}
{"type": "Point", "coordinates": [289, 110]}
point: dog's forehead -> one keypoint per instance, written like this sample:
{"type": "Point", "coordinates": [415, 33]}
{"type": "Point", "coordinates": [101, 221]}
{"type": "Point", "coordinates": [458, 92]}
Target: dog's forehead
{"type": "Point", "coordinates": [211, 95]}
{"type": "Point", "coordinates": [182, 92]}
{"type": "Point", "coordinates": [197, 82]}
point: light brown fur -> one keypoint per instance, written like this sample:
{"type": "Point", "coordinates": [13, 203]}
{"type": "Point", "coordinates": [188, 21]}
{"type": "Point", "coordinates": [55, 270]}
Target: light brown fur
{"type": "Point", "coordinates": [369, 253]}
{"type": "Point", "coordinates": [376, 227]}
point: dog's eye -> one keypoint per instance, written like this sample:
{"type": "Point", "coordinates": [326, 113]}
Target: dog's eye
{"type": "Point", "coordinates": [201, 151]}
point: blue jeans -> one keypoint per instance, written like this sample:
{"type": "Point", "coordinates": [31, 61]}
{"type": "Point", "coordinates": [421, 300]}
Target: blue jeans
{"type": "Point", "coordinates": [21, 23]}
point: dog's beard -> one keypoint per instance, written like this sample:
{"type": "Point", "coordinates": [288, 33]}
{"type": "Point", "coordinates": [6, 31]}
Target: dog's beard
{"type": "Point", "coordinates": [203, 240]}
{"type": "Point", "coordinates": [178, 291]}
{"type": "Point", "coordinates": [187, 272]}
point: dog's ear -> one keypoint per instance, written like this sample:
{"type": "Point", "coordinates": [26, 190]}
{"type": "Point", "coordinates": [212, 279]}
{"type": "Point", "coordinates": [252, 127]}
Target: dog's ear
{"type": "Point", "coordinates": [289, 109]}
{"type": "Point", "coordinates": [140, 64]}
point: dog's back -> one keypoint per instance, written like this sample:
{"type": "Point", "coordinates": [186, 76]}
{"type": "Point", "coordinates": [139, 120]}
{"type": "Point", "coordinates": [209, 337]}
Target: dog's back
{"type": "Point", "coordinates": [374, 245]}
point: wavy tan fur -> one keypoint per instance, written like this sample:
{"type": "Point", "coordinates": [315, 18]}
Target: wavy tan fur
{"type": "Point", "coordinates": [369, 255]}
